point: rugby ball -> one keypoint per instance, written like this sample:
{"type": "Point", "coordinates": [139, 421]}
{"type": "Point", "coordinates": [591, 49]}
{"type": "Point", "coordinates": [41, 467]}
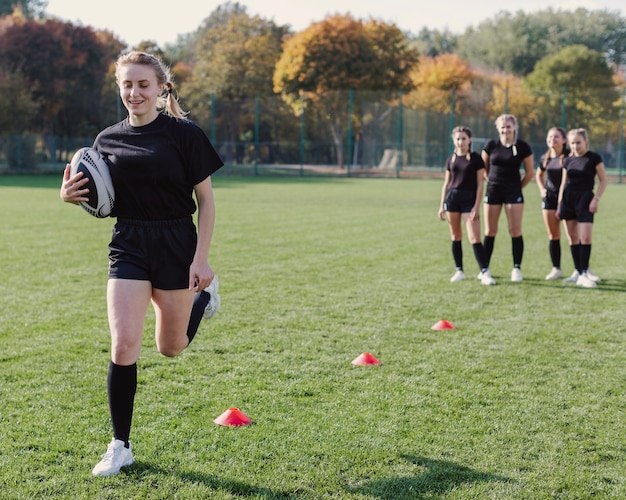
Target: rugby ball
{"type": "Point", "coordinates": [101, 193]}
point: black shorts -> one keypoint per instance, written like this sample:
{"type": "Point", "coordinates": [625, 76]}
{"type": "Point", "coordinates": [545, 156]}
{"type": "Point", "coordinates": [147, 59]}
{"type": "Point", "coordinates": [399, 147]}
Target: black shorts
{"type": "Point", "coordinates": [575, 205]}
{"type": "Point", "coordinates": [459, 200]}
{"type": "Point", "coordinates": [498, 195]}
{"type": "Point", "coordinates": [550, 201]}
{"type": "Point", "coordinates": [160, 252]}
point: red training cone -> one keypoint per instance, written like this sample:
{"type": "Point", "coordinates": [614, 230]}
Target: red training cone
{"type": "Point", "coordinates": [443, 325]}
{"type": "Point", "coordinates": [233, 417]}
{"type": "Point", "coordinates": [365, 359]}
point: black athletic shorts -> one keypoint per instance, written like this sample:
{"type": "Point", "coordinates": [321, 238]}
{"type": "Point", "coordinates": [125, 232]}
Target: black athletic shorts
{"type": "Point", "coordinates": [575, 205]}
{"type": "Point", "coordinates": [550, 201]}
{"type": "Point", "coordinates": [459, 200]}
{"type": "Point", "coordinates": [157, 251]}
{"type": "Point", "coordinates": [498, 195]}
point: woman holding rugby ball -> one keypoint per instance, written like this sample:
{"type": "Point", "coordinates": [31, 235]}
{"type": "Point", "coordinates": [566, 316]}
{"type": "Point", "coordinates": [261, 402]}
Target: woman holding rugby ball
{"type": "Point", "coordinates": [161, 166]}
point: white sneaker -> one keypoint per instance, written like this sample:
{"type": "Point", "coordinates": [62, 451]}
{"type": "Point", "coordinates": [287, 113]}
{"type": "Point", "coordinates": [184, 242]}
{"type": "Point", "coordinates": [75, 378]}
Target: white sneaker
{"type": "Point", "coordinates": [555, 274]}
{"type": "Point", "coordinates": [116, 457]}
{"type": "Point", "coordinates": [592, 276]}
{"type": "Point", "coordinates": [486, 279]}
{"type": "Point", "coordinates": [458, 276]}
{"type": "Point", "coordinates": [573, 278]}
{"type": "Point", "coordinates": [516, 274]}
{"type": "Point", "coordinates": [480, 276]}
{"type": "Point", "coordinates": [584, 281]}
{"type": "Point", "coordinates": [214, 302]}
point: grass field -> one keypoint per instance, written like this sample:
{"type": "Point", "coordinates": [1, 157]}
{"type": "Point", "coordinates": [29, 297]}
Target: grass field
{"type": "Point", "coordinates": [524, 399]}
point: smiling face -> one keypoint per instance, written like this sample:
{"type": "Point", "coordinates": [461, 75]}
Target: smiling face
{"type": "Point", "coordinates": [506, 129]}
{"type": "Point", "coordinates": [578, 143]}
{"type": "Point", "coordinates": [139, 90]}
{"type": "Point", "coordinates": [462, 143]}
{"type": "Point", "coordinates": [555, 140]}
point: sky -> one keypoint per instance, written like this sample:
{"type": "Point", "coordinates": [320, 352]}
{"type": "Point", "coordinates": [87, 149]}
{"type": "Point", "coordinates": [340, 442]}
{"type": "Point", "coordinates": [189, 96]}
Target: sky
{"type": "Point", "coordinates": [133, 21]}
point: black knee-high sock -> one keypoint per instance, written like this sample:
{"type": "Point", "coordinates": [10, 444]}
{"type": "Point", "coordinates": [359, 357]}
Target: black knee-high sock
{"type": "Point", "coordinates": [555, 253]}
{"type": "Point", "coordinates": [479, 253]}
{"type": "Point", "coordinates": [585, 255]}
{"type": "Point", "coordinates": [457, 254]}
{"type": "Point", "coordinates": [517, 246]}
{"type": "Point", "coordinates": [575, 249]}
{"type": "Point", "coordinates": [200, 301]}
{"type": "Point", "coordinates": [488, 244]}
{"type": "Point", "coordinates": [121, 386]}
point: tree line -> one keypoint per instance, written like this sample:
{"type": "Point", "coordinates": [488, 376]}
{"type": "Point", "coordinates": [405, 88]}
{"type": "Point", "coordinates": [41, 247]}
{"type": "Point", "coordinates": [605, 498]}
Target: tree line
{"type": "Point", "coordinates": [551, 67]}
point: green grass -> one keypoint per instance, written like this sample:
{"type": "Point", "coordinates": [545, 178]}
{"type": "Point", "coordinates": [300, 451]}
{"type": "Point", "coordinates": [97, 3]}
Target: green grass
{"type": "Point", "coordinates": [523, 399]}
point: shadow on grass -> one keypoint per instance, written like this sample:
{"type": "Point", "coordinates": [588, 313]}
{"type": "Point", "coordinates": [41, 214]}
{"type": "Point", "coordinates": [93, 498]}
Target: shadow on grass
{"type": "Point", "coordinates": [231, 486]}
{"type": "Point", "coordinates": [434, 477]}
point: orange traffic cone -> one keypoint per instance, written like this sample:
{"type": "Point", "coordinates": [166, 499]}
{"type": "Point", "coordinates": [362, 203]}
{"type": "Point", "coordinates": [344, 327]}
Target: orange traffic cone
{"type": "Point", "coordinates": [443, 325]}
{"type": "Point", "coordinates": [365, 359]}
{"type": "Point", "coordinates": [233, 417]}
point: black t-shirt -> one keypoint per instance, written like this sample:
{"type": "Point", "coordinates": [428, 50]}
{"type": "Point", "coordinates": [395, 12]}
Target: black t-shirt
{"type": "Point", "coordinates": [463, 171]}
{"type": "Point", "coordinates": [553, 173]}
{"type": "Point", "coordinates": [581, 171]}
{"type": "Point", "coordinates": [505, 162]}
{"type": "Point", "coordinates": [155, 167]}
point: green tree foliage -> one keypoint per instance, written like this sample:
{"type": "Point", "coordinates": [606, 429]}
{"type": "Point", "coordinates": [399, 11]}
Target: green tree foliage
{"type": "Point", "coordinates": [32, 9]}
{"type": "Point", "coordinates": [515, 42]}
{"type": "Point", "coordinates": [433, 43]}
{"type": "Point", "coordinates": [341, 53]}
{"type": "Point", "coordinates": [581, 76]}
{"type": "Point", "coordinates": [234, 61]}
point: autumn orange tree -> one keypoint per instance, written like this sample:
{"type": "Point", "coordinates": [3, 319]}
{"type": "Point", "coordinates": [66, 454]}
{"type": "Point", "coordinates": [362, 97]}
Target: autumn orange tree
{"type": "Point", "coordinates": [339, 54]}
{"type": "Point", "coordinates": [436, 80]}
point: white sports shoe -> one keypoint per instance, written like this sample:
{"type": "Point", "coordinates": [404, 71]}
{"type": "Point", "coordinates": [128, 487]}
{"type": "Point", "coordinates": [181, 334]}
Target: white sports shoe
{"type": "Point", "coordinates": [573, 278]}
{"type": "Point", "coordinates": [592, 276]}
{"type": "Point", "coordinates": [480, 276]}
{"type": "Point", "coordinates": [214, 302]}
{"type": "Point", "coordinates": [458, 276]}
{"type": "Point", "coordinates": [116, 457]}
{"type": "Point", "coordinates": [486, 279]}
{"type": "Point", "coordinates": [516, 274]}
{"type": "Point", "coordinates": [555, 274]}
{"type": "Point", "coordinates": [584, 281]}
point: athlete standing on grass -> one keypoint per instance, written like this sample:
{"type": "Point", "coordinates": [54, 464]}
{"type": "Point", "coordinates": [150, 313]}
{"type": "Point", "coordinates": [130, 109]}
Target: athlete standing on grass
{"type": "Point", "coordinates": [503, 159]}
{"type": "Point", "coordinates": [158, 162]}
{"type": "Point", "coordinates": [460, 200]}
{"type": "Point", "coordinates": [548, 178]}
{"type": "Point", "coordinates": [578, 204]}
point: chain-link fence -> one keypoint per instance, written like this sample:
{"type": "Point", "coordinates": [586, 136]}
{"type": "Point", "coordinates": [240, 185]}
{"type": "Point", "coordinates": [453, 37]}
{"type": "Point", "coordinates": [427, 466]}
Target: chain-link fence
{"type": "Point", "coordinates": [358, 133]}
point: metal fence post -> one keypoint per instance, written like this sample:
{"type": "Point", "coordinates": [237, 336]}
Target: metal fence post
{"type": "Point", "coordinates": [256, 134]}
{"type": "Point", "coordinates": [302, 107]}
{"type": "Point", "coordinates": [349, 152]}
{"type": "Point", "coordinates": [620, 150]}
{"type": "Point", "coordinates": [399, 143]}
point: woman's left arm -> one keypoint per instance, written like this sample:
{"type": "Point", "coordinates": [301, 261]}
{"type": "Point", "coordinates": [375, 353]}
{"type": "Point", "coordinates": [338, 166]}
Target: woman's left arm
{"type": "Point", "coordinates": [593, 206]}
{"type": "Point", "coordinates": [529, 170]}
{"type": "Point", "coordinates": [200, 272]}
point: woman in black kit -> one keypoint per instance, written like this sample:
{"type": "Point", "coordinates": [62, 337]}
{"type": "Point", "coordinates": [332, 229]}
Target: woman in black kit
{"type": "Point", "coordinates": [503, 159]}
{"type": "Point", "coordinates": [158, 162]}
{"type": "Point", "coordinates": [548, 179]}
{"type": "Point", "coordinates": [460, 200]}
{"type": "Point", "coordinates": [578, 204]}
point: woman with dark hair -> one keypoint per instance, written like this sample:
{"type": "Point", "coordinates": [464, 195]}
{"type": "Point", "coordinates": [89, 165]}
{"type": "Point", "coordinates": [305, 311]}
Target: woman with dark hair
{"type": "Point", "coordinates": [460, 201]}
{"type": "Point", "coordinates": [548, 177]}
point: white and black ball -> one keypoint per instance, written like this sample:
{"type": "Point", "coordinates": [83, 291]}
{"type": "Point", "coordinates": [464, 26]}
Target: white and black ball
{"type": "Point", "coordinates": [101, 193]}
